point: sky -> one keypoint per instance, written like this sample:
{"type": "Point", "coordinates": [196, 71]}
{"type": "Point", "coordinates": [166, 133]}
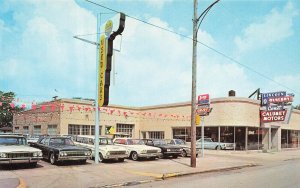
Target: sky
{"type": "Point", "coordinates": [252, 44]}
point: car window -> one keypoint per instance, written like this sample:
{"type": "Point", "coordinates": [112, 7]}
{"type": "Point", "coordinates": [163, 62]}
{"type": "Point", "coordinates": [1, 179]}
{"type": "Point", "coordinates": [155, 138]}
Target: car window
{"type": "Point", "coordinates": [179, 142]}
{"type": "Point", "coordinates": [42, 141]}
{"type": "Point", "coordinates": [61, 141]}
{"type": "Point", "coordinates": [135, 142]}
{"type": "Point", "coordinates": [12, 141]}
{"type": "Point", "coordinates": [119, 141]}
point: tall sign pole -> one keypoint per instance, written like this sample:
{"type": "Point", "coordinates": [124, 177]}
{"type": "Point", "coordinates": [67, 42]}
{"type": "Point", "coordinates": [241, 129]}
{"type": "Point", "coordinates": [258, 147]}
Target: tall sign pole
{"type": "Point", "coordinates": [97, 95]}
{"type": "Point", "coordinates": [194, 76]}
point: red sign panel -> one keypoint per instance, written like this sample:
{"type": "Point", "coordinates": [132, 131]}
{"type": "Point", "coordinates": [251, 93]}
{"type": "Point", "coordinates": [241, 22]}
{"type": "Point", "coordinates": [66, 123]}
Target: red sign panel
{"type": "Point", "coordinates": [272, 116]}
{"type": "Point", "coordinates": [203, 99]}
{"type": "Point", "coordinates": [280, 99]}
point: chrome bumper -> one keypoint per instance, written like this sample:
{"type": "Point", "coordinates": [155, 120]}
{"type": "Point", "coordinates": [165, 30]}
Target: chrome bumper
{"type": "Point", "coordinates": [19, 160]}
{"type": "Point", "coordinates": [72, 158]}
{"type": "Point", "coordinates": [115, 156]}
{"type": "Point", "coordinates": [148, 155]}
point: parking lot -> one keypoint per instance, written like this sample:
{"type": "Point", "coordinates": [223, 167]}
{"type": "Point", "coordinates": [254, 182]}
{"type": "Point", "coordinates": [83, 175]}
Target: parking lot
{"type": "Point", "coordinates": [109, 173]}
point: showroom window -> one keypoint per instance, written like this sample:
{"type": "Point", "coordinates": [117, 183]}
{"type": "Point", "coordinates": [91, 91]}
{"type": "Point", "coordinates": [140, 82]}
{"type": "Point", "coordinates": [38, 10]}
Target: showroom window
{"type": "Point", "coordinates": [85, 130]}
{"type": "Point", "coordinates": [156, 134]}
{"type": "Point", "coordinates": [37, 130]}
{"type": "Point", "coordinates": [52, 129]}
{"type": "Point", "coordinates": [74, 130]}
{"type": "Point", "coordinates": [125, 128]}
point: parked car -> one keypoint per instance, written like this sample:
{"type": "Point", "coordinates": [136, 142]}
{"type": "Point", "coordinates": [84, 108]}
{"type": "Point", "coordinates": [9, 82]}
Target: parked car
{"type": "Point", "coordinates": [33, 139]}
{"type": "Point", "coordinates": [107, 149]}
{"type": "Point", "coordinates": [59, 149]}
{"type": "Point", "coordinates": [210, 144]}
{"type": "Point", "coordinates": [14, 149]}
{"type": "Point", "coordinates": [137, 148]}
{"type": "Point", "coordinates": [186, 148]}
{"type": "Point", "coordinates": [166, 149]}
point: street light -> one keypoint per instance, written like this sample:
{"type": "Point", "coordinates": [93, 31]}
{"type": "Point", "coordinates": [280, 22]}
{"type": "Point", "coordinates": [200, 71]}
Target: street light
{"type": "Point", "coordinates": [196, 25]}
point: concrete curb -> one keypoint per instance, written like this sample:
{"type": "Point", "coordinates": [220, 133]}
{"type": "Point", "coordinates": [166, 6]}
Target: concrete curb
{"type": "Point", "coordinates": [22, 183]}
{"type": "Point", "coordinates": [176, 174]}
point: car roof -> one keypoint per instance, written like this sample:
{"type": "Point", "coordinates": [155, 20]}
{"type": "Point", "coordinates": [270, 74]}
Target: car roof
{"type": "Point", "coordinates": [89, 136]}
{"type": "Point", "coordinates": [11, 136]}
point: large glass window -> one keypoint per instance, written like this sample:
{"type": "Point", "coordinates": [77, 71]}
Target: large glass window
{"type": "Point", "coordinates": [85, 130]}
{"type": "Point", "coordinates": [74, 130]}
{"type": "Point", "coordinates": [52, 129]}
{"type": "Point", "coordinates": [240, 138]}
{"type": "Point", "coordinates": [125, 128]}
{"type": "Point", "coordinates": [37, 130]}
{"type": "Point", "coordinates": [17, 130]}
{"type": "Point", "coordinates": [227, 134]}
{"type": "Point", "coordinates": [254, 138]}
{"type": "Point", "coordinates": [211, 132]}
{"type": "Point", "coordinates": [157, 134]}
{"type": "Point", "coordinates": [182, 133]}
{"type": "Point", "coordinates": [284, 138]}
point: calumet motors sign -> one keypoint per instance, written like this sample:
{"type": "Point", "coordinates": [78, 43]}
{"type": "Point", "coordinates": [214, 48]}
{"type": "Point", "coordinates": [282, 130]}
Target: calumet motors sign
{"type": "Point", "coordinates": [276, 107]}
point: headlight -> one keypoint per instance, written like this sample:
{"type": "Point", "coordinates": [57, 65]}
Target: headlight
{"type": "Point", "coordinates": [180, 149]}
{"type": "Point", "coordinates": [168, 149]}
{"type": "Point", "coordinates": [40, 154]}
{"type": "Point", "coordinates": [63, 153]}
{"type": "Point", "coordinates": [87, 153]}
{"type": "Point", "coordinates": [144, 151]}
{"type": "Point", "coordinates": [35, 154]}
{"type": "Point", "coordinates": [3, 155]}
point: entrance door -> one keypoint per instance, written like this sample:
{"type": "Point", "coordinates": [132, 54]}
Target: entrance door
{"type": "Point", "coordinates": [274, 139]}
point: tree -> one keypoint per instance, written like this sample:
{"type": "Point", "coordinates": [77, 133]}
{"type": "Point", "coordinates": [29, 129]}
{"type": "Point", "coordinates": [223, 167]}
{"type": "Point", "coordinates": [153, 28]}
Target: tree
{"type": "Point", "coordinates": [7, 109]}
{"type": "Point", "coordinates": [297, 107]}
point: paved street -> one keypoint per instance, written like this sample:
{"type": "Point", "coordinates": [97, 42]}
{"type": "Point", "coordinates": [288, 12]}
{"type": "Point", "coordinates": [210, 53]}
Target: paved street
{"type": "Point", "coordinates": [222, 165]}
{"type": "Point", "coordinates": [280, 174]}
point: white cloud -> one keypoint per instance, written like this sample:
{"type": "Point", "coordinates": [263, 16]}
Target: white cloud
{"type": "Point", "coordinates": [157, 3]}
{"type": "Point", "coordinates": [274, 27]}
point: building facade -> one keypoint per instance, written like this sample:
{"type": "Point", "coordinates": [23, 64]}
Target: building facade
{"type": "Point", "coordinates": [233, 119]}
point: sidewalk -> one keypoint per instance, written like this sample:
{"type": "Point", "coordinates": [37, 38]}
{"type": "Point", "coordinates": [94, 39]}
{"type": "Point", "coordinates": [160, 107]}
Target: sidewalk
{"type": "Point", "coordinates": [136, 172]}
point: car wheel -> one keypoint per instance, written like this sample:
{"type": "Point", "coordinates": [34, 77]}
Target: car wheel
{"type": "Point", "coordinates": [100, 158]}
{"type": "Point", "coordinates": [183, 153]}
{"type": "Point", "coordinates": [218, 147]}
{"type": "Point", "coordinates": [52, 159]}
{"type": "Point", "coordinates": [121, 160]}
{"type": "Point", "coordinates": [134, 156]}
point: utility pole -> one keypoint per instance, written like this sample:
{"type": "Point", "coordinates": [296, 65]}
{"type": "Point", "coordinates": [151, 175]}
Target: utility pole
{"type": "Point", "coordinates": [194, 88]}
{"type": "Point", "coordinates": [196, 24]}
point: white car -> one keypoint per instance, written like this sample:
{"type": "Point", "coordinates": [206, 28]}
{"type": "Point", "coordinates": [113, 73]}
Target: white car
{"type": "Point", "coordinates": [14, 149]}
{"type": "Point", "coordinates": [210, 144]}
{"type": "Point", "coordinates": [137, 148]}
{"type": "Point", "coordinates": [32, 139]}
{"type": "Point", "coordinates": [107, 150]}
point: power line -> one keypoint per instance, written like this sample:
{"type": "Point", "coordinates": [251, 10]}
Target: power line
{"type": "Point", "coordinates": [203, 44]}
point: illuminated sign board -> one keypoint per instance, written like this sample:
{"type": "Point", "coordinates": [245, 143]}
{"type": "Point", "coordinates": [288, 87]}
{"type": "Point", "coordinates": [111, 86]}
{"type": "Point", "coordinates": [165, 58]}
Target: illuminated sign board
{"type": "Point", "coordinates": [272, 116]}
{"type": "Point", "coordinates": [265, 96]}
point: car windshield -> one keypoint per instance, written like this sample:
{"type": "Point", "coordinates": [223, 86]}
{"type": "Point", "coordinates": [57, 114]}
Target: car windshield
{"type": "Point", "coordinates": [12, 141]}
{"type": "Point", "coordinates": [105, 141]}
{"type": "Point", "coordinates": [205, 140]}
{"type": "Point", "coordinates": [135, 142]}
{"type": "Point", "coordinates": [179, 142]}
{"type": "Point", "coordinates": [159, 142]}
{"type": "Point", "coordinates": [61, 141]}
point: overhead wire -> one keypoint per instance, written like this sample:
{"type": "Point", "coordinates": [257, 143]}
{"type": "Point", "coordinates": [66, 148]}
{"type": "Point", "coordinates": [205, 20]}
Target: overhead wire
{"type": "Point", "coordinates": [203, 44]}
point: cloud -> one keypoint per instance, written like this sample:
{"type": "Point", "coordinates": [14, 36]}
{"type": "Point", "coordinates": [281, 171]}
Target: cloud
{"type": "Point", "coordinates": [157, 3]}
{"type": "Point", "coordinates": [274, 27]}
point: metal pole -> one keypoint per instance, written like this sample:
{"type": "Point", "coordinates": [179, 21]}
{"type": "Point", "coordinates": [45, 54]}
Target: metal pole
{"type": "Point", "coordinates": [97, 115]}
{"type": "Point", "coordinates": [234, 146]}
{"type": "Point", "coordinates": [202, 136]}
{"type": "Point", "coordinates": [194, 76]}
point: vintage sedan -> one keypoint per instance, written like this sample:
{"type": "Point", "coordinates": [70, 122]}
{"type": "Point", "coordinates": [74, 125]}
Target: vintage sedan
{"type": "Point", "coordinates": [137, 148]}
{"type": "Point", "coordinates": [59, 149]}
{"type": "Point", "coordinates": [14, 149]}
{"type": "Point", "coordinates": [166, 149]}
{"type": "Point", "coordinates": [107, 149]}
{"type": "Point", "coordinates": [186, 148]}
{"type": "Point", "coordinates": [210, 144]}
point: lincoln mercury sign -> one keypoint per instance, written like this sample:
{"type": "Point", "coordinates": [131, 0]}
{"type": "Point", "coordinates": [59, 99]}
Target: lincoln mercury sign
{"type": "Point", "coordinates": [276, 107]}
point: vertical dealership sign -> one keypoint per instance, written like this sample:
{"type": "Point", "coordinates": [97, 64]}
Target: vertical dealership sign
{"type": "Point", "coordinates": [203, 105]}
{"type": "Point", "coordinates": [276, 107]}
{"type": "Point", "coordinates": [113, 27]}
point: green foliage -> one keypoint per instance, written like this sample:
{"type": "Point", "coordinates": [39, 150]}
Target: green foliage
{"type": "Point", "coordinates": [6, 111]}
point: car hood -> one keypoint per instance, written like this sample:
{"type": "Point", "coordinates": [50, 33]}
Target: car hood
{"type": "Point", "coordinates": [169, 146]}
{"type": "Point", "coordinates": [16, 148]}
{"type": "Point", "coordinates": [69, 148]}
{"type": "Point", "coordinates": [112, 148]}
{"type": "Point", "coordinates": [141, 147]}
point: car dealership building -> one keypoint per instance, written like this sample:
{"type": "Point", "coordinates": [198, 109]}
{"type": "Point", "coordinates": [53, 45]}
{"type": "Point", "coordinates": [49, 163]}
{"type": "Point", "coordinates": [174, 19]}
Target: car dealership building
{"type": "Point", "coordinates": [233, 119]}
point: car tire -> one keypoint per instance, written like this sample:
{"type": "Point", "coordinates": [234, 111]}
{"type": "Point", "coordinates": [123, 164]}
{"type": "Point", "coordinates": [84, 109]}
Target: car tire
{"type": "Point", "coordinates": [218, 148]}
{"type": "Point", "coordinates": [52, 159]}
{"type": "Point", "coordinates": [121, 160]}
{"type": "Point", "coordinates": [134, 156]}
{"type": "Point", "coordinates": [183, 153]}
{"type": "Point", "coordinates": [100, 160]}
